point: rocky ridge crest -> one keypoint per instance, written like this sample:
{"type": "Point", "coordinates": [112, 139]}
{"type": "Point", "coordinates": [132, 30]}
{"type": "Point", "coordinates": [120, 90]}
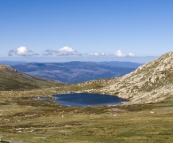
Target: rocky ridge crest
{"type": "Point", "coordinates": [151, 82]}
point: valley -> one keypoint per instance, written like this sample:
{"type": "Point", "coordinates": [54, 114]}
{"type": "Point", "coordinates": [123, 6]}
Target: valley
{"type": "Point", "coordinates": [86, 71]}
{"type": "Point", "coordinates": [147, 117]}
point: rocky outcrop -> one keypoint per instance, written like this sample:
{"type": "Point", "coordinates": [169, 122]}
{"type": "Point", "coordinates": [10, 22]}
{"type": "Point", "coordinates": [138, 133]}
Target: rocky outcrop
{"type": "Point", "coordinates": [7, 68]}
{"type": "Point", "coordinates": [151, 82]}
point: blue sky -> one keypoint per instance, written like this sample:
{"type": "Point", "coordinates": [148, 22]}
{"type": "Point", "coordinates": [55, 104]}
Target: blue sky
{"type": "Point", "coordinates": [60, 30]}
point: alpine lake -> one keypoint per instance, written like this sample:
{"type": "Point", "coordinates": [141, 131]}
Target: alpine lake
{"type": "Point", "coordinates": [85, 99]}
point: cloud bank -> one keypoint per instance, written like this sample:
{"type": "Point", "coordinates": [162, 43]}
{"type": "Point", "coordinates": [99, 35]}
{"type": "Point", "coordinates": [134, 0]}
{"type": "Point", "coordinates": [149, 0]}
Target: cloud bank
{"type": "Point", "coordinates": [21, 51]}
{"type": "Point", "coordinates": [65, 51]}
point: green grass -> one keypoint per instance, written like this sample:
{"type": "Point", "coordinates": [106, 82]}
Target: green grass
{"type": "Point", "coordinates": [15, 81]}
{"type": "Point", "coordinates": [23, 119]}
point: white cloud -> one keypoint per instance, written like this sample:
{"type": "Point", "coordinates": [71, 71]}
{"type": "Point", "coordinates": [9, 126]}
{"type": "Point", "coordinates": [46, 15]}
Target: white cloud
{"type": "Point", "coordinates": [119, 53]}
{"type": "Point", "coordinates": [22, 51]}
{"type": "Point", "coordinates": [131, 55]}
{"type": "Point", "coordinates": [67, 51]}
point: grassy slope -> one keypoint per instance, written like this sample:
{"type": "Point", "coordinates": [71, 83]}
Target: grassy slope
{"type": "Point", "coordinates": [25, 120]}
{"type": "Point", "coordinates": [17, 81]}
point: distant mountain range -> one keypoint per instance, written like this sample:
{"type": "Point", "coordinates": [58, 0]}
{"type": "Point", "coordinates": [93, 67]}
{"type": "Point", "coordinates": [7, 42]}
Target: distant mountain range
{"type": "Point", "coordinates": [75, 72]}
{"type": "Point", "coordinates": [12, 63]}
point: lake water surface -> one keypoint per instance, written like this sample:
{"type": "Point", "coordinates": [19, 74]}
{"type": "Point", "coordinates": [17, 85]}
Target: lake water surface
{"type": "Point", "coordinates": [87, 99]}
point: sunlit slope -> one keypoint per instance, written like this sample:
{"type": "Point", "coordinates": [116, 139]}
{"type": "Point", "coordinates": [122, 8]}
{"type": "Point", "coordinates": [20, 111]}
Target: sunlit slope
{"type": "Point", "coordinates": [151, 82]}
{"type": "Point", "coordinates": [11, 79]}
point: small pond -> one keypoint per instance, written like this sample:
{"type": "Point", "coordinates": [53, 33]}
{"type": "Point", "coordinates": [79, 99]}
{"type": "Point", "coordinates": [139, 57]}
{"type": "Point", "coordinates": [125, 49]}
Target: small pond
{"type": "Point", "coordinates": [87, 99]}
{"type": "Point", "coordinates": [42, 98]}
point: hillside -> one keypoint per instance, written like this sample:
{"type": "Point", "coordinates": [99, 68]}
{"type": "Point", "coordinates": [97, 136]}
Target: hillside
{"type": "Point", "coordinates": [151, 82]}
{"type": "Point", "coordinates": [74, 72]}
{"type": "Point", "coordinates": [26, 120]}
{"type": "Point", "coordinates": [11, 79]}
